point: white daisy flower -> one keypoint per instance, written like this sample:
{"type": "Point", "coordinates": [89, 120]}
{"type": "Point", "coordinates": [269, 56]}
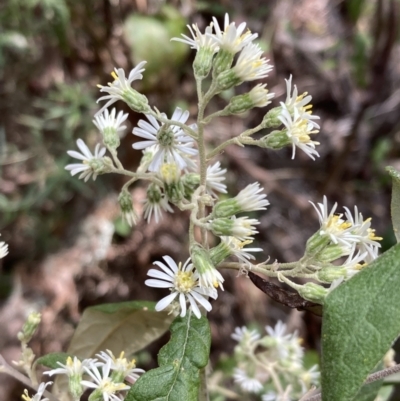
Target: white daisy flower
{"type": "Point", "coordinates": [124, 369]}
{"type": "Point", "coordinates": [340, 231]}
{"type": "Point", "coordinates": [171, 144]}
{"type": "Point", "coordinates": [249, 199]}
{"type": "Point", "coordinates": [215, 176]}
{"type": "Point", "coordinates": [298, 131]}
{"type": "Point", "coordinates": [110, 122]}
{"type": "Point", "coordinates": [102, 382]}
{"type": "Point", "coordinates": [300, 102]}
{"type": "Point", "coordinates": [250, 65]}
{"type": "Point", "coordinates": [183, 283]}
{"type": "Point", "coordinates": [366, 235]}
{"type": "Point", "coordinates": [120, 88]}
{"type": "Point", "coordinates": [199, 40]}
{"type": "Point", "coordinates": [39, 394]}
{"type": "Point", "coordinates": [236, 248]}
{"type": "Point", "coordinates": [232, 38]}
{"type": "Point", "coordinates": [3, 249]}
{"type": "Point", "coordinates": [155, 203]}
{"type": "Point", "coordinates": [248, 384]}
{"type": "Point", "coordinates": [90, 162]}
{"type": "Point", "coordinates": [243, 334]}
{"type": "Point", "coordinates": [260, 96]}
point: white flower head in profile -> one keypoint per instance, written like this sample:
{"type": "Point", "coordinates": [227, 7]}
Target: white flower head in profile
{"type": "Point", "coordinates": [339, 230]}
{"type": "Point", "coordinates": [155, 203]}
{"type": "Point", "coordinates": [90, 162]}
{"type": "Point", "coordinates": [199, 40]}
{"type": "Point", "coordinates": [214, 177]}
{"type": "Point", "coordinates": [232, 38]}
{"type": "Point", "coordinates": [367, 240]}
{"type": "Point", "coordinates": [298, 130]}
{"type": "Point", "coordinates": [107, 121]}
{"type": "Point", "coordinates": [300, 102]}
{"type": "Point", "coordinates": [183, 282]}
{"type": "Point", "coordinates": [120, 88]}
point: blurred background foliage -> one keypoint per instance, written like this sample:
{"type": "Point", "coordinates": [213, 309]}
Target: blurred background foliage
{"type": "Point", "coordinates": [53, 53]}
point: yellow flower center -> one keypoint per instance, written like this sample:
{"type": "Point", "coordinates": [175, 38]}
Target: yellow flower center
{"type": "Point", "coordinates": [300, 130]}
{"type": "Point", "coordinates": [184, 281]}
{"type": "Point", "coordinates": [335, 222]}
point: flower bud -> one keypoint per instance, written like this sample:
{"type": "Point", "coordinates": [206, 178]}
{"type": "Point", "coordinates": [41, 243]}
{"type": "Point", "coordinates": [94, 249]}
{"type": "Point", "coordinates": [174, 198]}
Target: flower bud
{"type": "Point", "coordinates": [190, 182]}
{"type": "Point", "coordinates": [136, 101]}
{"type": "Point", "coordinates": [259, 96]}
{"type": "Point", "coordinates": [227, 79]}
{"type": "Point", "coordinates": [316, 243]}
{"type": "Point", "coordinates": [275, 140]}
{"type": "Point", "coordinates": [227, 208]}
{"type": "Point", "coordinates": [203, 62]}
{"type": "Point", "coordinates": [241, 228]}
{"type": "Point", "coordinates": [209, 276]}
{"type": "Point", "coordinates": [222, 62]}
{"type": "Point", "coordinates": [219, 253]}
{"type": "Point", "coordinates": [271, 119]}
{"type": "Point", "coordinates": [101, 166]}
{"type": "Point", "coordinates": [313, 292]}
{"type": "Point", "coordinates": [239, 104]}
{"type": "Point", "coordinates": [29, 327]}
{"type": "Point", "coordinates": [331, 253]}
{"type": "Point", "coordinates": [111, 138]}
{"type": "Point", "coordinates": [328, 274]}
{"type": "Point", "coordinates": [175, 191]}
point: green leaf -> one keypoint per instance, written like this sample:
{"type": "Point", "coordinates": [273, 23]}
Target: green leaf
{"type": "Point", "coordinates": [125, 326]}
{"type": "Point", "coordinates": [368, 392]}
{"type": "Point", "coordinates": [395, 205]}
{"type": "Point", "coordinates": [50, 360]}
{"type": "Point", "coordinates": [361, 320]}
{"type": "Point", "coordinates": [178, 377]}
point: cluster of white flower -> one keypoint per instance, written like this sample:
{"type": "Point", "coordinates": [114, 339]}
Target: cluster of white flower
{"type": "Point", "coordinates": [173, 143]}
{"type": "Point", "coordinates": [348, 234]}
{"type": "Point", "coordinates": [281, 362]}
{"type": "Point", "coordinates": [106, 376]}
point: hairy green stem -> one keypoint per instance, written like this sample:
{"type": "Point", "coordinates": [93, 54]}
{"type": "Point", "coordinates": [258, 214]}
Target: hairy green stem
{"type": "Point", "coordinates": [242, 139]}
{"type": "Point", "coordinates": [138, 176]}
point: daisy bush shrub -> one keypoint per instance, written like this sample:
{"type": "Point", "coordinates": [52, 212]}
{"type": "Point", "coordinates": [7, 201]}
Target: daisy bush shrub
{"type": "Point", "coordinates": [341, 269]}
